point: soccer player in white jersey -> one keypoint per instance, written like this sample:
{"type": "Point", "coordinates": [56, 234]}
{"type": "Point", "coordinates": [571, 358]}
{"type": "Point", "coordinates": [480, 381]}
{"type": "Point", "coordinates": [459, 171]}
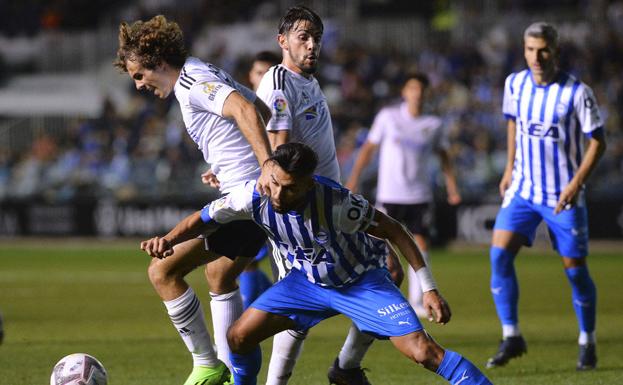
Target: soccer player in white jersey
{"type": "Point", "coordinates": [336, 243]}
{"type": "Point", "coordinates": [226, 121]}
{"type": "Point", "coordinates": [555, 139]}
{"type": "Point", "coordinates": [408, 139]}
{"type": "Point", "coordinates": [300, 113]}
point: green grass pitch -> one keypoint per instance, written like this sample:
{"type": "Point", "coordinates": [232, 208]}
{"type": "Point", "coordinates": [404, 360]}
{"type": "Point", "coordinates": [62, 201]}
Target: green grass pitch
{"type": "Point", "coordinates": [61, 297]}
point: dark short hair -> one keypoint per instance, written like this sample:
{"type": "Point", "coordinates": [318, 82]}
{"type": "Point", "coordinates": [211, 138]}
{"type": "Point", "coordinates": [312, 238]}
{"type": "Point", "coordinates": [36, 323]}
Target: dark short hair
{"type": "Point", "coordinates": [419, 76]}
{"type": "Point", "coordinates": [268, 57]}
{"type": "Point", "coordinates": [151, 43]}
{"type": "Point", "coordinates": [299, 13]}
{"type": "Point", "coordinates": [295, 158]}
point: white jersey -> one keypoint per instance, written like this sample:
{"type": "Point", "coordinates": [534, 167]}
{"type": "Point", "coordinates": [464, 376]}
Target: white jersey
{"type": "Point", "coordinates": [326, 241]}
{"type": "Point", "coordinates": [551, 122]}
{"type": "Point", "coordinates": [201, 91]}
{"type": "Point", "coordinates": [406, 144]}
{"type": "Point", "coordinates": [298, 105]}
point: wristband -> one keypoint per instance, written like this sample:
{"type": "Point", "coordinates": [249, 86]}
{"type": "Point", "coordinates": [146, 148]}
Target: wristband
{"type": "Point", "coordinates": [427, 283]}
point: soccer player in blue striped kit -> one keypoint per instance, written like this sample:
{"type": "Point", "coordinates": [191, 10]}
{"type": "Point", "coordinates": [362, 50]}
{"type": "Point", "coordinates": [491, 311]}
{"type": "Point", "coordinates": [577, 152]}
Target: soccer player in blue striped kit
{"type": "Point", "coordinates": [336, 242]}
{"type": "Point", "coordinates": [555, 139]}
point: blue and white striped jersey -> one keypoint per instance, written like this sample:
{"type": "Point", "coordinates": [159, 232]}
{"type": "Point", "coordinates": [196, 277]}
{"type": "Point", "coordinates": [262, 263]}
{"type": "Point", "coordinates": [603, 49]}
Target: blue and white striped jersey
{"type": "Point", "coordinates": [326, 240]}
{"type": "Point", "coordinates": [551, 122]}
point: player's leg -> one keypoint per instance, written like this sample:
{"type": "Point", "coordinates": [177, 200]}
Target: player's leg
{"type": "Point", "coordinates": [184, 309]}
{"type": "Point", "coordinates": [378, 307]}
{"type": "Point", "coordinates": [515, 226]}
{"type": "Point", "coordinates": [422, 349]}
{"type": "Point", "coordinates": [253, 281]}
{"type": "Point", "coordinates": [274, 311]}
{"type": "Point", "coordinates": [569, 234]}
{"type": "Point", "coordinates": [226, 302]}
{"type": "Point", "coordinates": [288, 344]}
{"type": "Point", "coordinates": [244, 337]}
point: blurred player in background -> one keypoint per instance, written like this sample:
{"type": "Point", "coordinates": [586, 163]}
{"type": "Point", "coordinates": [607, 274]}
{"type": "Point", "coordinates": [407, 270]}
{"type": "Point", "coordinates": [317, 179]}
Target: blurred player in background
{"type": "Point", "coordinates": [252, 280]}
{"type": "Point", "coordinates": [300, 113]}
{"type": "Point", "coordinates": [408, 139]}
{"type": "Point", "coordinates": [555, 139]}
{"type": "Point", "coordinates": [336, 242]}
{"type": "Point", "coordinates": [225, 119]}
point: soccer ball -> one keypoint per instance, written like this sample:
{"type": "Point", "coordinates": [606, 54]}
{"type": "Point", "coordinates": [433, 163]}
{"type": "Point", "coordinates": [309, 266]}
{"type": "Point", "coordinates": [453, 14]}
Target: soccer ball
{"type": "Point", "coordinates": [78, 369]}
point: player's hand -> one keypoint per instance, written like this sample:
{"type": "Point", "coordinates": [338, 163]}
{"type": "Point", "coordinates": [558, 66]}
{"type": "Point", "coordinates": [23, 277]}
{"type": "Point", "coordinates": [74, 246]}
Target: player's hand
{"type": "Point", "coordinates": [263, 182]}
{"type": "Point", "coordinates": [436, 306]}
{"type": "Point", "coordinates": [505, 183]}
{"type": "Point", "coordinates": [157, 247]}
{"type": "Point", "coordinates": [210, 179]}
{"type": "Point", "coordinates": [568, 197]}
{"type": "Point", "coordinates": [454, 198]}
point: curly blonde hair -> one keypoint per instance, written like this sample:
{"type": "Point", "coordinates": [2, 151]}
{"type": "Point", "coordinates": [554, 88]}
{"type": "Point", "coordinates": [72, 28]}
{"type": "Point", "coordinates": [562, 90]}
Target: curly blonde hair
{"type": "Point", "coordinates": [151, 43]}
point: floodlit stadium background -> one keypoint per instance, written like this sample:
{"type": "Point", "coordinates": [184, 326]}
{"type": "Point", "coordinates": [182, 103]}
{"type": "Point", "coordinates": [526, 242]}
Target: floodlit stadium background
{"type": "Point", "coordinates": [88, 166]}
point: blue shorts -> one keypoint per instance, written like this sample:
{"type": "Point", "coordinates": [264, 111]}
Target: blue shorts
{"type": "Point", "coordinates": [568, 229]}
{"type": "Point", "coordinates": [373, 302]}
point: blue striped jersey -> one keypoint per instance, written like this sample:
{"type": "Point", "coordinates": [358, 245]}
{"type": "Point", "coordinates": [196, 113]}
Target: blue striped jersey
{"type": "Point", "coordinates": [551, 123]}
{"type": "Point", "coordinates": [325, 240]}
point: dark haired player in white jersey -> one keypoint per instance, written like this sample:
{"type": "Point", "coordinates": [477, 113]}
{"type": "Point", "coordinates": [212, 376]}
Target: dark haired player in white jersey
{"type": "Point", "coordinates": [408, 139]}
{"type": "Point", "coordinates": [225, 119]}
{"type": "Point", "coordinates": [555, 139]}
{"type": "Point", "coordinates": [336, 243]}
{"type": "Point", "coordinates": [300, 113]}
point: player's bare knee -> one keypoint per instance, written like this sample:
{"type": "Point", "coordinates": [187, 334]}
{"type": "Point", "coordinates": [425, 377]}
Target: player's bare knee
{"type": "Point", "coordinates": [159, 274]}
{"type": "Point", "coordinates": [237, 340]}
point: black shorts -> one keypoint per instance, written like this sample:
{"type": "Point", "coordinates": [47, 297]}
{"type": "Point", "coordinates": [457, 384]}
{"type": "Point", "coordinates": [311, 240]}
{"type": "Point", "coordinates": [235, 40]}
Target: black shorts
{"type": "Point", "coordinates": [416, 217]}
{"type": "Point", "coordinates": [236, 239]}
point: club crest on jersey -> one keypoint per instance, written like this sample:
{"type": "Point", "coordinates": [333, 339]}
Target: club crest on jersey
{"type": "Point", "coordinates": [280, 105]}
{"type": "Point", "coordinates": [211, 89]}
{"type": "Point", "coordinates": [310, 113]}
{"type": "Point", "coordinates": [321, 237]}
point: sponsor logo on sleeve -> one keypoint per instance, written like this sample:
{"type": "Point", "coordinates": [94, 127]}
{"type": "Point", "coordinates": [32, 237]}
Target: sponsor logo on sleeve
{"type": "Point", "coordinates": [211, 89]}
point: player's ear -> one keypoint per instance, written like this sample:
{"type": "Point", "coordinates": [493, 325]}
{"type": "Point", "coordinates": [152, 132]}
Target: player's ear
{"type": "Point", "coordinates": [282, 40]}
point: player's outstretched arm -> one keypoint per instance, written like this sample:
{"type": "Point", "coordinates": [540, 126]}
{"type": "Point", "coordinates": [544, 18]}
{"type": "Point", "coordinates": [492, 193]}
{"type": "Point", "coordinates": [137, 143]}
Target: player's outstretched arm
{"type": "Point", "coordinates": [188, 228]}
{"type": "Point", "coordinates": [403, 244]}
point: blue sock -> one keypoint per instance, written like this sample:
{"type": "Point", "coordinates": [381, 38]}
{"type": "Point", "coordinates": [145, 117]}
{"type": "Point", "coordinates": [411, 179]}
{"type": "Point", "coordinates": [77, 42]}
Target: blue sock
{"type": "Point", "coordinates": [245, 367]}
{"type": "Point", "coordinates": [458, 370]}
{"type": "Point", "coordinates": [252, 284]}
{"type": "Point", "coordinates": [504, 285]}
{"type": "Point", "coordinates": [584, 296]}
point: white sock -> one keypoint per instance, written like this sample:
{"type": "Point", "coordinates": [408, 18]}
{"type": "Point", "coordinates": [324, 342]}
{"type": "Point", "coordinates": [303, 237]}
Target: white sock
{"type": "Point", "coordinates": [226, 309]}
{"type": "Point", "coordinates": [587, 338]}
{"type": "Point", "coordinates": [287, 346]}
{"type": "Point", "coordinates": [354, 348]}
{"type": "Point", "coordinates": [510, 331]}
{"type": "Point", "coordinates": [187, 316]}
{"type": "Point", "coordinates": [415, 290]}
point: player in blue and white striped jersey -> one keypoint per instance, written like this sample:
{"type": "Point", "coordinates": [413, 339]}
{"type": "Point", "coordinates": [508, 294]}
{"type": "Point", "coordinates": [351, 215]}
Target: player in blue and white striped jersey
{"type": "Point", "coordinates": [335, 241]}
{"type": "Point", "coordinates": [555, 139]}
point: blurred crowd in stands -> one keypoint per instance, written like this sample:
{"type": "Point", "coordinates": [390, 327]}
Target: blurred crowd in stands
{"type": "Point", "coordinates": [142, 150]}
